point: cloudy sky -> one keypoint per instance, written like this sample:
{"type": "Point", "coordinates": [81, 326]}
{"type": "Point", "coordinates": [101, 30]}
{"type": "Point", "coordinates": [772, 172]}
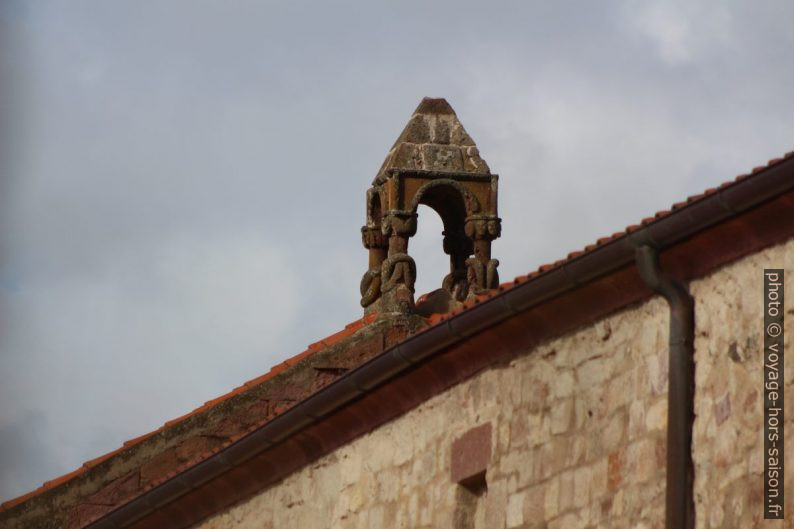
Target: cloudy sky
{"type": "Point", "coordinates": [182, 183]}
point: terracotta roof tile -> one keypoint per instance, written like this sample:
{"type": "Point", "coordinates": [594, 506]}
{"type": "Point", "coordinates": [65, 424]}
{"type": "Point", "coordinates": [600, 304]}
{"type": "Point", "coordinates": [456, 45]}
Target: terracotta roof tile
{"type": "Point", "coordinates": [213, 402]}
{"type": "Point", "coordinates": [434, 318]}
{"type": "Point", "coordinates": [186, 416]}
{"type": "Point", "coordinates": [44, 487]}
{"type": "Point", "coordinates": [21, 499]}
{"type": "Point", "coordinates": [97, 460]}
{"type": "Point", "coordinates": [276, 369]}
{"type": "Point", "coordinates": [63, 479]}
{"type": "Point", "coordinates": [136, 440]}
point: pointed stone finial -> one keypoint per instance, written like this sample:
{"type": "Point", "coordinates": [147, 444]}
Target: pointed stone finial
{"type": "Point", "coordinates": [434, 105]}
{"type": "Point", "coordinates": [436, 163]}
{"type": "Point", "coordinates": [433, 140]}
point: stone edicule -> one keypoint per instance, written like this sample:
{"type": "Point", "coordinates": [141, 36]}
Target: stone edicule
{"type": "Point", "coordinates": [434, 162]}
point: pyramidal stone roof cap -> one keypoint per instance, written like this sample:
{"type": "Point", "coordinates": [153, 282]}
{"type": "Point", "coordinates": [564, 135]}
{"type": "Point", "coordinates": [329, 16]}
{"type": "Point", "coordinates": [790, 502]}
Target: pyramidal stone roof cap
{"type": "Point", "coordinates": [433, 140]}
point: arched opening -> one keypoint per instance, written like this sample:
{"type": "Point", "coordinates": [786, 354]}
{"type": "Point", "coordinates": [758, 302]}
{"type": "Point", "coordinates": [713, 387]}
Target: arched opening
{"type": "Point", "coordinates": [448, 200]}
{"type": "Point", "coordinates": [432, 265]}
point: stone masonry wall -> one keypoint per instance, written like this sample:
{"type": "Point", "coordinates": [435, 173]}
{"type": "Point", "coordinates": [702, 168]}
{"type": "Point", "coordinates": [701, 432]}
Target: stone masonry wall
{"type": "Point", "coordinates": [578, 433]}
{"type": "Point", "coordinates": [728, 433]}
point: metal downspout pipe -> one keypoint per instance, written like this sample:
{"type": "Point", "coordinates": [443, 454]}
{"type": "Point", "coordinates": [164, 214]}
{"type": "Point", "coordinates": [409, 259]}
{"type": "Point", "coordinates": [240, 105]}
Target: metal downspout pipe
{"type": "Point", "coordinates": [679, 491]}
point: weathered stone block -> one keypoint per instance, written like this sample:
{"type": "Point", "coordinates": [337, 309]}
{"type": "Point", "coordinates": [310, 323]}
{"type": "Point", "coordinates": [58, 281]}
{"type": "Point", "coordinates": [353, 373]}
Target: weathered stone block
{"type": "Point", "coordinates": [471, 453]}
{"type": "Point", "coordinates": [408, 156]}
{"type": "Point", "coordinates": [561, 416]}
{"type": "Point", "coordinates": [442, 158]}
{"type": "Point", "coordinates": [515, 510]}
{"type": "Point", "coordinates": [416, 131]}
{"type": "Point", "coordinates": [459, 136]}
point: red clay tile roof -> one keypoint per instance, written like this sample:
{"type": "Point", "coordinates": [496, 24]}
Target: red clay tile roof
{"type": "Point", "coordinates": [323, 345]}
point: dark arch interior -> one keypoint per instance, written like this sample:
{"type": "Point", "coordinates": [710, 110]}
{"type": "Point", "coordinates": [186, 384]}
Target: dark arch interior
{"type": "Point", "coordinates": [375, 209]}
{"type": "Point", "coordinates": [448, 203]}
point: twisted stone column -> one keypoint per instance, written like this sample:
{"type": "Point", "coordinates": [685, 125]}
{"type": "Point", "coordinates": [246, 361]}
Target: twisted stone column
{"type": "Point", "coordinates": [377, 243]}
{"type": "Point", "coordinates": [398, 271]}
{"type": "Point", "coordinates": [458, 246]}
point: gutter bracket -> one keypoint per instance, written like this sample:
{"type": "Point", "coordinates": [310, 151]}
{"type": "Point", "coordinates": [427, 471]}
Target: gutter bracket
{"type": "Point", "coordinates": [679, 491]}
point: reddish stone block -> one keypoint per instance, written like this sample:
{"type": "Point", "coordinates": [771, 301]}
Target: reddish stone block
{"type": "Point", "coordinates": [471, 453]}
{"type": "Point", "coordinates": [722, 409]}
{"type": "Point", "coordinates": [614, 471]}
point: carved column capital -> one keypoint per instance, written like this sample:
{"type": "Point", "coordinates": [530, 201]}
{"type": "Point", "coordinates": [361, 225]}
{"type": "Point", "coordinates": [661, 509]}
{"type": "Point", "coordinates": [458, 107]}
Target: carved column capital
{"type": "Point", "coordinates": [483, 227]}
{"type": "Point", "coordinates": [399, 222]}
{"type": "Point", "coordinates": [373, 237]}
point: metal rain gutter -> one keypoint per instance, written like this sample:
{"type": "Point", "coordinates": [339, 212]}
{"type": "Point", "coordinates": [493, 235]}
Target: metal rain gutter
{"type": "Point", "coordinates": [679, 491]}
{"type": "Point", "coordinates": [659, 234]}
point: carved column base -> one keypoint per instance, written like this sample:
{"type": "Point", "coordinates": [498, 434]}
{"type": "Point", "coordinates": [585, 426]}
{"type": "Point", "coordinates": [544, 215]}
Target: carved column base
{"type": "Point", "coordinates": [397, 277]}
{"type": "Point", "coordinates": [481, 275]}
{"type": "Point", "coordinates": [456, 284]}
